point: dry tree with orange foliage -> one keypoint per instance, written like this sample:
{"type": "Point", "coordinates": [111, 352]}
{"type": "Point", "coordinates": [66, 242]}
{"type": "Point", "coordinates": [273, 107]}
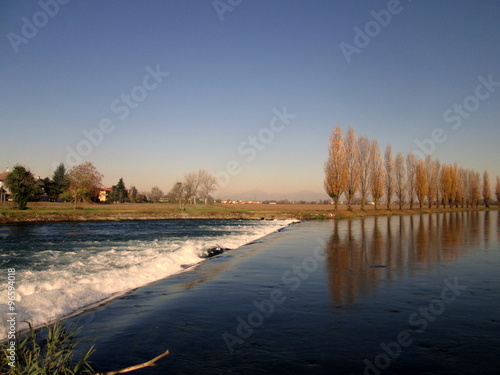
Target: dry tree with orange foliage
{"type": "Point", "coordinates": [352, 166]}
{"type": "Point", "coordinates": [376, 173]}
{"type": "Point", "coordinates": [336, 167]}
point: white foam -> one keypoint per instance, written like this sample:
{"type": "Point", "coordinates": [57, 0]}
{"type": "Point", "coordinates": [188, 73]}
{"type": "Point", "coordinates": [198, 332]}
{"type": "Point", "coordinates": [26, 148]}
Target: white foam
{"type": "Point", "coordinates": [76, 279]}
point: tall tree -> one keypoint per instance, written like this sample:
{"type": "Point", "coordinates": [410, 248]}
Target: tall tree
{"type": "Point", "coordinates": [155, 194]}
{"type": "Point", "coordinates": [456, 194]}
{"type": "Point", "coordinates": [84, 182]}
{"type": "Point", "coordinates": [421, 183]}
{"type": "Point", "coordinates": [22, 186]}
{"type": "Point", "coordinates": [192, 182]}
{"type": "Point", "coordinates": [389, 175]}
{"type": "Point", "coordinates": [464, 186]}
{"type": "Point", "coordinates": [184, 191]}
{"type": "Point", "coordinates": [497, 190]}
{"type": "Point", "coordinates": [133, 196]}
{"type": "Point", "coordinates": [364, 168]}
{"type": "Point", "coordinates": [475, 188]}
{"type": "Point", "coordinates": [59, 180]}
{"type": "Point", "coordinates": [376, 173]}
{"type": "Point", "coordinates": [352, 166]}
{"type": "Point", "coordinates": [335, 167]}
{"type": "Point", "coordinates": [411, 166]}
{"type": "Point", "coordinates": [190, 185]}
{"type": "Point", "coordinates": [446, 184]}
{"type": "Point", "coordinates": [432, 168]}
{"type": "Point", "coordinates": [486, 189]}
{"type": "Point", "coordinates": [400, 175]}
{"type": "Point", "coordinates": [208, 184]}
{"type": "Point", "coordinates": [118, 192]}
{"type": "Point", "coordinates": [435, 181]}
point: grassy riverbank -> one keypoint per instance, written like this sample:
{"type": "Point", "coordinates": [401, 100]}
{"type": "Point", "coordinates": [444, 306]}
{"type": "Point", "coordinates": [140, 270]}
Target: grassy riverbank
{"type": "Point", "coordinates": [45, 212]}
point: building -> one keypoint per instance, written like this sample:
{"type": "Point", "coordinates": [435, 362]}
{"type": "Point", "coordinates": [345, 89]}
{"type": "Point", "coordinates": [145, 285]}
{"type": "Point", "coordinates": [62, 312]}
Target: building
{"type": "Point", "coordinates": [4, 192]}
{"type": "Point", "coordinates": [104, 194]}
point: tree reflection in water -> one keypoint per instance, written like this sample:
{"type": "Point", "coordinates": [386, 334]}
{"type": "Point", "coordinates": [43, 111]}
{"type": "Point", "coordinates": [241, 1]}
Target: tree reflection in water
{"type": "Point", "coordinates": [363, 253]}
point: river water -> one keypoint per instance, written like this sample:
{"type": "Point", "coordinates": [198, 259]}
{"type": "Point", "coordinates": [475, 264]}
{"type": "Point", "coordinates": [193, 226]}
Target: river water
{"type": "Point", "coordinates": [415, 294]}
{"type": "Point", "coordinates": [63, 268]}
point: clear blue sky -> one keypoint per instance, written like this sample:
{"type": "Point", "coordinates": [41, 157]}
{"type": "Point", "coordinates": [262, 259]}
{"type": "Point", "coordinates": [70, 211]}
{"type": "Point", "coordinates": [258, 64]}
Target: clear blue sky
{"type": "Point", "coordinates": [229, 71]}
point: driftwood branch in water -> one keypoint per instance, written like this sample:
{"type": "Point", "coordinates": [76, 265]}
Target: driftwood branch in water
{"type": "Point", "coordinates": [136, 367]}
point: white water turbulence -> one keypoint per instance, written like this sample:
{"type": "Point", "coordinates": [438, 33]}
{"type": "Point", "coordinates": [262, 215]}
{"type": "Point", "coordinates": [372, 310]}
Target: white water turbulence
{"type": "Point", "coordinates": [62, 268]}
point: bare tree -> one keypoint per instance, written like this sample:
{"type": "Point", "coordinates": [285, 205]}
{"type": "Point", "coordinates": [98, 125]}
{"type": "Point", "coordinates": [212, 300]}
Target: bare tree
{"type": "Point", "coordinates": [335, 167]}
{"type": "Point", "coordinates": [432, 179]}
{"type": "Point", "coordinates": [486, 189]}
{"type": "Point", "coordinates": [190, 186]}
{"type": "Point", "coordinates": [459, 193]}
{"type": "Point", "coordinates": [464, 185]}
{"type": "Point", "coordinates": [411, 166]}
{"type": "Point", "coordinates": [376, 173]}
{"type": "Point", "coordinates": [155, 194]}
{"type": "Point", "coordinates": [208, 184]}
{"type": "Point", "coordinates": [475, 189]}
{"type": "Point", "coordinates": [352, 165]}
{"type": "Point", "coordinates": [389, 175]}
{"type": "Point", "coordinates": [435, 181]}
{"type": "Point", "coordinates": [400, 175]}
{"type": "Point", "coordinates": [364, 168]}
{"type": "Point", "coordinates": [497, 190]}
{"type": "Point", "coordinates": [193, 181]}
{"type": "Point", "coordinates": [421, 183]}
{"type": "Point", "coordinates": [456, 192]}
{"type": "Point", "coordinates": [446, 184]}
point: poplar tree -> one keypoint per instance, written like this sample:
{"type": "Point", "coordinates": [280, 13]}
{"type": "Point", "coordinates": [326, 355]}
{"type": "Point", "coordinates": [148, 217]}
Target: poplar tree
{"type": "Point", "coordinates": [389, 175]}
{"type": "Point", "coordinates": [364, 168]}
{"type": "Point", "coordinates": [352, 166]}
{"type": "Point", "coordinates": [400, 175]}
{"type": "Point", "coordinates": [335, 167]}
{"type": "Point", "coordinates": [421, 183]}
{"type": "Point", "coordinates": [486, 189]}
{"type": "Point", "coordinates": [411, 164]}
{"type": "Point", "coordinates": [376, 173]}
{"type": "Point", "coordinates": [497, 190]}
{"type": "Point", "coordinates": [432, 168]}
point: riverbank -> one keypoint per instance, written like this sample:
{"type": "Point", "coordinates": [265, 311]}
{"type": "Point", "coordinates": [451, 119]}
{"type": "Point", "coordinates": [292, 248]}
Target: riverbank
{"type": "Point", "coordinates": [59, 212]}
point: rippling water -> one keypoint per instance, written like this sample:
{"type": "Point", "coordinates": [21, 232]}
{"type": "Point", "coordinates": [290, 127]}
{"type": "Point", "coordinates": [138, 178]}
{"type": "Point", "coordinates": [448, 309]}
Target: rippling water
{"type": "Point", "coordinates": [62, 268]}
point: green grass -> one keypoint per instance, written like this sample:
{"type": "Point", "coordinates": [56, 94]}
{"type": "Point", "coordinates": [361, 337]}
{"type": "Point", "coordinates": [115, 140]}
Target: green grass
{"type": "Point", "coordinates": [127, 211]}
{"type": "Point", "coordinates": [52, 355]}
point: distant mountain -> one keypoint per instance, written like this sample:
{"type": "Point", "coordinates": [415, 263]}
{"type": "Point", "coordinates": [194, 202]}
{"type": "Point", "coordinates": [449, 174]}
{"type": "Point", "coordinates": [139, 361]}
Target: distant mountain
{"type": "Point", "coordinates": [260, 195]}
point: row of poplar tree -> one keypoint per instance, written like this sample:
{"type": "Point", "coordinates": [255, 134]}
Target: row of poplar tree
{"type": "Point", "coordinates": [355, 166]}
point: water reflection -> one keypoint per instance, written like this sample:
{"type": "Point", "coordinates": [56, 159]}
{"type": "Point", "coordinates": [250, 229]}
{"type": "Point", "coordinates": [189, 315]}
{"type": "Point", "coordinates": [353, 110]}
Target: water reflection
{"type": "Point", "coordinates": [364, 253]}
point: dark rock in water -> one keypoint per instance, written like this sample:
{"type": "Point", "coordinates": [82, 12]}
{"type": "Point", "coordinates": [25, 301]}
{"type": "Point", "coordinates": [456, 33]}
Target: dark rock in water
{"type": "Point", "coordinates": [378, 266]}
{"type": "Point", "coordinates": [213, 251]}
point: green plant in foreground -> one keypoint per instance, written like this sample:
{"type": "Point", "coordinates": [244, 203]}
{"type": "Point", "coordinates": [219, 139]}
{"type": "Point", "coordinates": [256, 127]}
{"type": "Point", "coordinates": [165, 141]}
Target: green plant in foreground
{"type": "Point", "coordinates": [54, 355]}
{"type": "Point", "coordinates": [50, 356]}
